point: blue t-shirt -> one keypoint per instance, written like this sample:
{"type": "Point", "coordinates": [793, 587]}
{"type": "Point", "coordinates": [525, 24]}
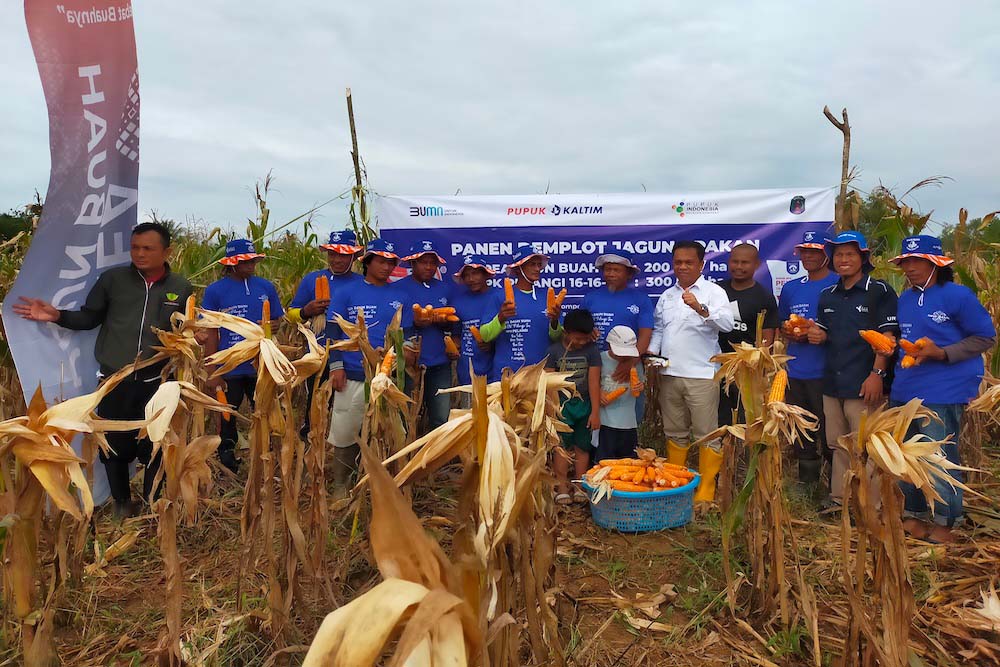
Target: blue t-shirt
{"type": "Point", "coordinates": [802, 298]}
{"type": "Point", "coordinates": [525, 337]}
{"type": "Point", "coordinates": [306, 291]}
{"type": "Point", "coordinates": [629, 307]}
{"type": "Point", "coordinates": [436, 293]}
{"type": "Point", "coordinates": [244, 299]}
{"type": "Point", "coordinates": [946, 314]}
{"type": "Point", "coordinates": [474, 310]}
{"type": "Point", "coordinates": [379, 304]}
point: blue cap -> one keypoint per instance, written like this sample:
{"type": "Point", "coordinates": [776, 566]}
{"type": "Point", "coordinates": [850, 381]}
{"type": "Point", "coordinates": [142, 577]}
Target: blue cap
{"type": "Point", "coordinates": [475, 262]}
{"type": "Point", "coordinates": [422, 248]}
{"type": "Point", "coordinates": [814, 240]}
{"type": "Point", "coordinates": [344, 241]}
{"type": "Point", "coordinates": [858, 239]}
{"type": "Point", "coordinates": [239, 250]}
{"type": "Point", "coordinates": [924, 247]}
{"type": "Point", "coordinates": [522, 254]}
{"type": "Point", "coordinates": [616, 257]}
{"type": "Point", "coordinates": [382, 248]}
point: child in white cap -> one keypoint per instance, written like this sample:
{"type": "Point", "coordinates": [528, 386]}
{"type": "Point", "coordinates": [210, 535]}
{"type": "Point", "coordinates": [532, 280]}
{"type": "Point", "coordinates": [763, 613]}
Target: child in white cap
{"type": "Point", "coordinates": [619, 434]}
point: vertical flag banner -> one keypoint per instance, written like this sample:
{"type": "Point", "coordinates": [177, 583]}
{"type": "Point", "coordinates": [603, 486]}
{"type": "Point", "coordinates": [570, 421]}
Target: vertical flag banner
{"type": "Point", "coordinates": [574, 229]}
{"type": "Point", "coordinates": [85, 51]}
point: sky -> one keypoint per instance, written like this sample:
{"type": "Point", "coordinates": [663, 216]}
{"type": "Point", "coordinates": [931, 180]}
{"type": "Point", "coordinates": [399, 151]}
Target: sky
{"type": "Point", "coordinates": [517, 97]}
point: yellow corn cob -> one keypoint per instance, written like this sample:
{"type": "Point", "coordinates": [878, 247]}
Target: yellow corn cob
{"type": "Point", "coordinates": [449, 345]}
{"type": "Point", "coordinates": [265, 318]}
{"type": "Point", "coordinates": [879, 342]}
{"type": "Point", "coordinates": [908, 361]}
{"type": "Point", "coordinates": [508, 290]}
{"type": "Point", "coordinates": [387, 361]}
{"type": "Point", "coordinates": [322, 288]}
{"type": "Point", "coordinates": [220, 396]}
{"type": "Point", "coordinates": [189, 308]}
{"type": "Point", "coordinates": [634, 383]}
{"type": "Point", "coordinates": [474, 330]}
{"type": "Point", "coordinates": [613, 395]}
{"type": "Point", "coordinates": [778, 387]}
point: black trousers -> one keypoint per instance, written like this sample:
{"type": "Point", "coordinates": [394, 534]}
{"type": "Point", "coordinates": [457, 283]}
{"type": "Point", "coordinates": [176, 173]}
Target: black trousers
{"type": "Point", "coordinates": [128, 401]}
{"type": "Point", "coordinates": [237, 388]}
{"type": "Point", "coordinates": [808, 395]}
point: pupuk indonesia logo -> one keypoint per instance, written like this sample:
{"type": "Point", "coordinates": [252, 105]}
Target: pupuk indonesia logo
{"type": "Point", "coordinates": [678, 208]}
{"type": "Point", "coordinates": [689, 207]}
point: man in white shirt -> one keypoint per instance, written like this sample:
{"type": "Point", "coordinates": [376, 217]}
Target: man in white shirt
{"type": "Point", "coordinates": [687, 322]}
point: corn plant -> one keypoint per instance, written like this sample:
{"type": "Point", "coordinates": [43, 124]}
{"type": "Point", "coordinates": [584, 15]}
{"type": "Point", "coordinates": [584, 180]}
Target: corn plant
{"type": "Point", "coordinates": [37, 462]}
{"type": "Point", "coordinates": [881, 603]}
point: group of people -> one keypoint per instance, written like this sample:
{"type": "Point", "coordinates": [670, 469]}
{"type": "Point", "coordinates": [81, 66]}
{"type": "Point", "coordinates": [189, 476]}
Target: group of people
{"type": "Point", "coordinates": [609, 342]}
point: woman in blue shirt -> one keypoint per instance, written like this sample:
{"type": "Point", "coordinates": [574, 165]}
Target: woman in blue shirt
{"type": "Point", "coordinates": [523, 328]}
{"type": "Point", "coordinates": [948, 370]}
{"type": "Point", "coordinates": [239, 292]}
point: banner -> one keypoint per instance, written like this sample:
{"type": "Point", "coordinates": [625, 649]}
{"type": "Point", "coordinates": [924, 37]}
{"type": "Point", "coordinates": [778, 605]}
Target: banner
{"type": "Point", "coordinates": [574, 229]}
{"type": "Point", "coordinates": [85, 52]}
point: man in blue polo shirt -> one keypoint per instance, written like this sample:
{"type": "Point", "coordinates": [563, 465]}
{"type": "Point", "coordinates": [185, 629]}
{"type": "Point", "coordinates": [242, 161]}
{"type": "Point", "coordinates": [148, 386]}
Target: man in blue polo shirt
{"type": "Point", "coordinates": [619, 303]}
{"type": "Point", "coordinates": [855, 375]}
{"type": "Point", "coordinates": [379, 301]}
{"type": "Point", "coordinates": [341, 249]}
{"type": "Point", "coordinates": [805, 369]}
{"type": "Point", "coordinates": [242, 293]}
{"type": "Point", "coordinates": [475, 301]}
{"type": "Point", "coordinates": [948, 370]}
{"type": "Point", "coordinates": [424, 288]}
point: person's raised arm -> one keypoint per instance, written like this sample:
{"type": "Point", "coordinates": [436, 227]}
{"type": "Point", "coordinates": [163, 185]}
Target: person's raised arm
{"type": "Point", "coordinates": [91, 315]}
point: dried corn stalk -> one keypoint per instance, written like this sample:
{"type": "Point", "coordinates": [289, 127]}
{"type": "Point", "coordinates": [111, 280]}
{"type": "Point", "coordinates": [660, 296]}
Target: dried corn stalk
{"type": "Point", "coordinates": [420, 601]}
{"type": "Point", "coordinates": [184, 466]}
{"type": "Point", "coordinates": [36, 460]}
{"type": "Point", "coordinates": [276, 376]}
{"type": "Point", "coordinates": [881, 604]}
{"type": "Point", "coordinates": [506, 517]}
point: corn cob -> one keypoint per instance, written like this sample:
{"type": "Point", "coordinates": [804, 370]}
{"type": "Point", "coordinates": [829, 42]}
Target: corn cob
{"type": "Point", "coordinates": [449, 345]}
{"type": "Point", "coordinates": [908, 361]}
{"type": "Point", "coordinates": [265, 318]}
{"type": "Point", "coordinates": [220, 396]}
{"type": "Point", "coordinates": [189, 308]}
{"type": "Point", "coordinates": [778, 387]}
{"type": "Point", "coordinates": [634, 383]}
{"type": "Point", "coordinates": [880, 342]}
{"type": "Point", "coordinates": [322, 290]}
{"type": "Point", "coordinates": [474, 330]}
{"type": "Point", "coordinates": [387, 360]}
{"type": "Point", "coordinates": [508, 290]}
{"type": "Point", "coordinates": [613, 395]}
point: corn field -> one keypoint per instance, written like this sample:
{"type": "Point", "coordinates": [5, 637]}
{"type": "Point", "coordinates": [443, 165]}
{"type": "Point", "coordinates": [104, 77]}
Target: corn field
{"type": "Point", "coordinates": [451, 549]}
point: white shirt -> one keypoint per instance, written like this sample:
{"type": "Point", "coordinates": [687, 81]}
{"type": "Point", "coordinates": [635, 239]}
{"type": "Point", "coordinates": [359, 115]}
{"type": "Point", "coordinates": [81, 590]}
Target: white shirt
{"type": "Point", "coordinates": [686, 338]}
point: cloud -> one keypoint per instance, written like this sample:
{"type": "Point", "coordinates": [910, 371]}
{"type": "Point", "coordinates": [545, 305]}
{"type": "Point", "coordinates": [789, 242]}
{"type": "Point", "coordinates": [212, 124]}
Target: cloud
{"type": "Point", "coordinates": [521, 97]}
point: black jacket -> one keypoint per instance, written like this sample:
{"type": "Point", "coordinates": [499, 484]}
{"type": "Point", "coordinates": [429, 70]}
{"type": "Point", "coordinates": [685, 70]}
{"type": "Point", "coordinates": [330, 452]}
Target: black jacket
{"type": "Point", "coordinates": [126, 309]}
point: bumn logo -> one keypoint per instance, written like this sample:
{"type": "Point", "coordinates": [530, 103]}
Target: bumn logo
{"type": "Point", "coordinates": [426, 211]}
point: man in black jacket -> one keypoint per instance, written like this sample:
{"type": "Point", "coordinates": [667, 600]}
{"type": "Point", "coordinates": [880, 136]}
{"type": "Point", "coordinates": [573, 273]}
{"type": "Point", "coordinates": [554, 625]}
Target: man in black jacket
{"type": "Point", "coordinates": [126, 302]}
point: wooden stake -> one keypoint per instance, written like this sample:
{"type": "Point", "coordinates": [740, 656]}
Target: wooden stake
{"type": "Point", "coordinates": [357, 159]}
{"type": "Point", "coordinates": [845, 127]}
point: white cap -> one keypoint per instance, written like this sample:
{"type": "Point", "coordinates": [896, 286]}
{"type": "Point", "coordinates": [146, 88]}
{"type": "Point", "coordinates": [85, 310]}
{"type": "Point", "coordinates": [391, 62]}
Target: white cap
{"type": "Point", "coordinates": [622, 342]}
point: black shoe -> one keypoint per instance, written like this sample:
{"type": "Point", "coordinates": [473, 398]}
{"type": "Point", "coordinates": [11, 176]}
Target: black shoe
{"type": "Point", "coordinates": [228, 458]}
{"type": "Point", "coordinates": [124, 509]}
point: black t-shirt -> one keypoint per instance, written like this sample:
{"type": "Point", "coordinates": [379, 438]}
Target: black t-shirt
{"type": "Point", "coordinates": [578, 362]}
{"type": "Point", "coordinates": [748, 303]}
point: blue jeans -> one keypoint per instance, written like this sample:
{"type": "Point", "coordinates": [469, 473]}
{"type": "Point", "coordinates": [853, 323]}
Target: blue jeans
{"type": "Point", "coordinates": [948, 512]}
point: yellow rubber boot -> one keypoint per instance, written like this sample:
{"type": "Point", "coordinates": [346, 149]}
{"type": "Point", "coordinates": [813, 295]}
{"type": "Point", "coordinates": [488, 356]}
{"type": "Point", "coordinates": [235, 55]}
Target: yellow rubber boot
{"type": "Point", "coordinates": [676, 454]}
{"type": "Point", "coordinates": [709, 462]}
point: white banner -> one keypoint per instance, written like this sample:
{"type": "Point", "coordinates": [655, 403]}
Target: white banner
{"type": "Point", "coordinates": [574, 229]}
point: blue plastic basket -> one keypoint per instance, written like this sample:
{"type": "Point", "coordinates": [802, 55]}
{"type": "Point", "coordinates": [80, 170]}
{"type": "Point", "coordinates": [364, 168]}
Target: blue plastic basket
{"type": "Point", "coordinates": [640, 512]}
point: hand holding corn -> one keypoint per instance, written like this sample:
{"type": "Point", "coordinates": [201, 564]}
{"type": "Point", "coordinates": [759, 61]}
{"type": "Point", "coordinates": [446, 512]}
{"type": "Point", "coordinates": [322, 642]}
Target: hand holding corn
{"type": "Point", "coordinates": [554, 302]}
{"type": "Point", "coordinates": [797, 328]}
{"type": "Point", "coordinates": [917, 352]}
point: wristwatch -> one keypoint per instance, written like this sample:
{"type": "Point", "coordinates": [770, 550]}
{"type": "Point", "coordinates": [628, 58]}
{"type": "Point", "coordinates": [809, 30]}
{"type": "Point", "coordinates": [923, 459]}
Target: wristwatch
{"type": "Point", "coordinates": [881, 373]}
{"type": "Point", "coordinates": [703, 311]}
